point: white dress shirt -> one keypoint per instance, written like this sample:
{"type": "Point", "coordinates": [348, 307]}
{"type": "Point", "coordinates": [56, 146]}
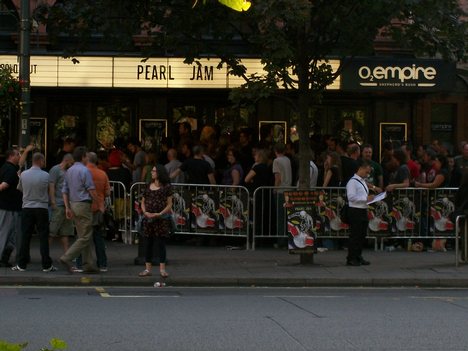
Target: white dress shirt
{"type": "Point", "coordinates": [357, 192]}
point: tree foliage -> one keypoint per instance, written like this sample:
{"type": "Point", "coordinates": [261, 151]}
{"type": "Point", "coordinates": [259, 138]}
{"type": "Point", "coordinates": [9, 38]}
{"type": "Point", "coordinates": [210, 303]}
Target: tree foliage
{"type": "Point", "coordinates": [293, 38]}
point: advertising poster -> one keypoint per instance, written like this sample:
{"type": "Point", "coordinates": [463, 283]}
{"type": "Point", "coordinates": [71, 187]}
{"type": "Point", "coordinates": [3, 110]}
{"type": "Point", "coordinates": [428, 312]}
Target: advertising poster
{"type": "Point", "coordinates": [403, 212]}
{"type": "Point", "coordinates": [274, 131]}
{"type": "Point", "coordinates": [301, 211]}
{"type": "Point", "coordinates": [204, 212]}
{"type": "Point", "coordinates": [329, 207]}
{"type": "Point", "coordinates": [396, 133]}
{"type": "Point", "coordinates": [441, 202]}
{"type": "Point", "coordinates": [152, 132]}
{"type": "Point", "coordinates": [38, 134]}
{"type": "Point", "coordinates": [233, 210]}
{"type": "Point", "coordinates": [181, 208]}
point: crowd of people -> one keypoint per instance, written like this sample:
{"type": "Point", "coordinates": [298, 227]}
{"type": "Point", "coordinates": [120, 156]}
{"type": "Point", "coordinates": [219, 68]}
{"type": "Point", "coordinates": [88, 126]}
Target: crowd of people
{"type": "Point", "coordinates": [71, 196]}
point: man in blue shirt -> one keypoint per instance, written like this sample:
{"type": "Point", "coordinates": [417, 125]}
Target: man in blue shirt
{"type": "Point", "coordinates": [78, 193]}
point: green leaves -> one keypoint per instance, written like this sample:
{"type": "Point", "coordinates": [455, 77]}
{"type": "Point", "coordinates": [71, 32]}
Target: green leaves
{"type": "Point", "coordinates": [5, 346]}
{"type": "Point", "coordinates": [56, 345]}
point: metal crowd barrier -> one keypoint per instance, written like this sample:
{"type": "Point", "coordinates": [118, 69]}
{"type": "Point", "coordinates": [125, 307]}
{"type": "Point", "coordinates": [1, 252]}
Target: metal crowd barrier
{"type": "Point", "coordinates": [215, 210]}
{"type": "Point", "coordinates": [464, 241]}
{"type": "Point", "coordinates": [119, 211]}
{"type": "Point", "coordinates": [409, 213]}
{"type": "Point", "coordinates": [415, 214]}
{"type": "Point", "coordinates": [270, 213]}
{"type": "Point", "coordinates": [218, 210]}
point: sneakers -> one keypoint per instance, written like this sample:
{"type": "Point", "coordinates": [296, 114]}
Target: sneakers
{"type": "Point", "coordinates": [50, 269]}
{"type": "Point", "coordinates": [18, 269]}
{"type": "Point", "coordinates": [66, 265]}
{"type": "Point", "coordinates": [103, 269]}
{"type": "Point", "coordinates": [76, 270]}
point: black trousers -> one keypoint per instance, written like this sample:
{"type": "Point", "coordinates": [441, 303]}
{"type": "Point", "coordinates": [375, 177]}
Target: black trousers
{"type": "Point", "coordinates": [31, 218]}
{"type": "Point", "coordinates": [155, 246]}
{"type": "Point", "coordinates": [358, 223]}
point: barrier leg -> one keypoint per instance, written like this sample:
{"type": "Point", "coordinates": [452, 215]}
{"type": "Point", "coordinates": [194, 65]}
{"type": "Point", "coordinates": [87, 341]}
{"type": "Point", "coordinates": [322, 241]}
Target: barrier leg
{"type": "Point", "coordinates": [465, 243]}
{"type": "Point", "coordinates": [457, 237]}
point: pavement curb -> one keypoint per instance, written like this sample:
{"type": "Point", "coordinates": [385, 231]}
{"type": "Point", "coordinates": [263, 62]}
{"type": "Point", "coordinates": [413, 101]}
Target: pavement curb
{"type": "Point", "coordinates": [102, 280]}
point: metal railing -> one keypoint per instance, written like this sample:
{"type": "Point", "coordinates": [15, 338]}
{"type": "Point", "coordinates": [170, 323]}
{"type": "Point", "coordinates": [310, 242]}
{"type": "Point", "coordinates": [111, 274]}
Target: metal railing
{"type": "Point", "coordinates": [270, 214]}
{"type": "Point", "coordinates": [409, 213]}
{"type": "Point", "coordinates": [464, 241]}
{"type": "Point", "coordinates": [198, 209]}
{"type": "Point", "coordinates": [218, 210]}
{"type": "Point", "coordinates": [120, 210]}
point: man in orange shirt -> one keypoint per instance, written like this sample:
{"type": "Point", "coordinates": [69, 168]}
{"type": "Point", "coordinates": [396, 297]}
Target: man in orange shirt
{"type": "Point", "coordinates": [101, 182]}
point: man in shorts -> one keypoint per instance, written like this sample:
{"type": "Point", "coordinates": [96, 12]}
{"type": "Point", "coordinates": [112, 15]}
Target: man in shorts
{"type": "Point", "coordinates": [60, 226]}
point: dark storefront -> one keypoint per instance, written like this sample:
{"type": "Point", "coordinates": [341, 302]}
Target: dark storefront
{"type": "Point", "coordinates": [103, 98]}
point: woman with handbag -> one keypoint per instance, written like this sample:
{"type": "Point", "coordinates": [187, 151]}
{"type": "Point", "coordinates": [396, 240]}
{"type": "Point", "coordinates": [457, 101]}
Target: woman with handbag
{"type": "Point", "coordinates": [156, 205]}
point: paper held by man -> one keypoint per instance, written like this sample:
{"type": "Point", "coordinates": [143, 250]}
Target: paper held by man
{"type": "Point", "coordinates": [378, 197]}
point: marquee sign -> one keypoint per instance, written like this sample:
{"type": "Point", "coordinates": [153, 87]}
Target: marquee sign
{"type": "Point", "coordinates": [134, 72]}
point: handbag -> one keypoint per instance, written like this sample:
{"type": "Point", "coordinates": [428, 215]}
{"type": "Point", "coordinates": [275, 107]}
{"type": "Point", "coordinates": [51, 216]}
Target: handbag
{"type": "Point", "coordinates": [344, 213]}
{"type": "Point", "coordinates": [172, 224]}
{"type": "Point", "coordinates": [140, 223]}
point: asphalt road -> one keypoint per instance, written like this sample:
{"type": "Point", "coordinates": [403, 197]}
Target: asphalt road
{"type": "Point", "coordinates": [235, 318]}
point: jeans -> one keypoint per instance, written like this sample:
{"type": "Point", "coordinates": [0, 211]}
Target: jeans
{"type": "Point", "coordinates": [31, 218]}
{"type": "Point", "coordinates": [10, 231]}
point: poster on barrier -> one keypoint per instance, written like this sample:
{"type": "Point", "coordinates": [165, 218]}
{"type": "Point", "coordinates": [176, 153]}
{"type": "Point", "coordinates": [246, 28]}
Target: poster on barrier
{"type": "Point", "coordinates": [441, 202]}
{"type": "Point", "coordinates": [204, 212]}
{"type": "Point", "coordinates": [329, 206]}
{"type": "Point", "coordinates": [380, 218]}
{"type": "Point", "coordinates": [181, 208]}
{"type": "Point", "coordinates": [302, 215]}
{"type": "Point", "coordinates": [233, 210]}
{"type": "Point", "coordinates": [400, 213]}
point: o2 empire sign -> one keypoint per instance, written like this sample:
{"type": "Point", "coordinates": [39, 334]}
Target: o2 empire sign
{"type": "Point", "coordinates": [397, 75]}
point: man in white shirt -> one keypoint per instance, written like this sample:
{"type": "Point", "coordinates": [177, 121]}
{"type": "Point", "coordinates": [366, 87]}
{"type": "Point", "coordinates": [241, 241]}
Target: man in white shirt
{"type": "Point", "coordinates": [282, 167]}
{"type": "Point", "coordinates": [313, 174]}
{"type": "Point", "coordinates": [283, 178]}
{"type": "Point", "coordinates": [358, 197]}
{"type": "Point", "coordinates": [173, 165]}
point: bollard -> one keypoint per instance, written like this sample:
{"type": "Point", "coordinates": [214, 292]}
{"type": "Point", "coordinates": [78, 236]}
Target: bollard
{"type": "Point", "coordinates": [307, 258]}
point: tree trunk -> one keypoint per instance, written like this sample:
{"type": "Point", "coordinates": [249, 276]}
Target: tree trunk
{"type": "Point", "coordinates": [305, 153]}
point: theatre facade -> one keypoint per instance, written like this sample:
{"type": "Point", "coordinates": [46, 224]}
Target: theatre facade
{"type": "Point", "coordinates": [97, 99]}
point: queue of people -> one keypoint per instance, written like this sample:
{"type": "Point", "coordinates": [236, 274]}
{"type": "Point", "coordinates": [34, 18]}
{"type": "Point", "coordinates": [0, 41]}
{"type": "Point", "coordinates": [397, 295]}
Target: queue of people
{"type": "Point", "coordinates": [69, 200]}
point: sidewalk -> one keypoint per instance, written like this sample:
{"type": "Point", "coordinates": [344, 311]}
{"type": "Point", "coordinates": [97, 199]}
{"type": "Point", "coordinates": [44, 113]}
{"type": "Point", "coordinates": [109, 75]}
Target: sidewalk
{"type": "Point", "coordinates": [218, 266]}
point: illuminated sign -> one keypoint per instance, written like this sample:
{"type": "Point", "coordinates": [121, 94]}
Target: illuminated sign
{"type": "Point", "coordinates": [397, 75]}
{"type": "Point", "coordinates": [135, 72]}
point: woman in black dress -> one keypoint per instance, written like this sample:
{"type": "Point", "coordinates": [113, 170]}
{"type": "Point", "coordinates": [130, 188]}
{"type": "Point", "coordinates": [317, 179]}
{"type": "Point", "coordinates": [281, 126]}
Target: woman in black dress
{"type": "Point", "coordinates": [259, 176]}
{"type": "Point", "coordinates": [156, 205]}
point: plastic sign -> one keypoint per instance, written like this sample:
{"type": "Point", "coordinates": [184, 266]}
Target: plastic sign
{"type": "Point", "coordinates": [397, 75]}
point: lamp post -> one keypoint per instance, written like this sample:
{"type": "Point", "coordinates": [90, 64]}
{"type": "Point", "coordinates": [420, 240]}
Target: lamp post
{"type": "Point", "coordinates": [24, 74]}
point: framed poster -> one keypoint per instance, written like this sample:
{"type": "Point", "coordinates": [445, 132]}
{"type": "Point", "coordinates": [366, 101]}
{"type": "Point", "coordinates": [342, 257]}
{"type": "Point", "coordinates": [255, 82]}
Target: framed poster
{"type": "Point", "coordinates": [152, 131]}
{"type": "Point", "coordinates": [38, 134]}
{"type": "Point", "coordinates": [274, 130]}
{"type": "Point", "coordinates": [396, 133]}
{"type": "Point", "coordinates": [303, 220]}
